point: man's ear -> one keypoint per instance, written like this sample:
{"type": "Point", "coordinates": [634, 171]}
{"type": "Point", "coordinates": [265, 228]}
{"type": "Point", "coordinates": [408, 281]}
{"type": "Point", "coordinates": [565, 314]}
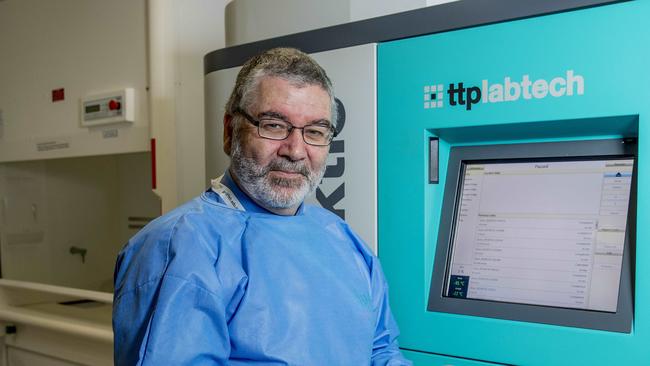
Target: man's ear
{"type": "Point", "coordinates": [227, 133]}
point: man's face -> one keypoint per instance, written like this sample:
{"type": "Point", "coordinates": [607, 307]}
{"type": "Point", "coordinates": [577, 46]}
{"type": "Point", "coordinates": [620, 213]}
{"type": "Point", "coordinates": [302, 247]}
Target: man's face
{"type": "Point", "coordinates": [278, 174]}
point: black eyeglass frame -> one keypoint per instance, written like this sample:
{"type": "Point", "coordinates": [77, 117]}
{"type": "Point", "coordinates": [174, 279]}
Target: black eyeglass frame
{"type": "Point", "coordinates": [256, 123]}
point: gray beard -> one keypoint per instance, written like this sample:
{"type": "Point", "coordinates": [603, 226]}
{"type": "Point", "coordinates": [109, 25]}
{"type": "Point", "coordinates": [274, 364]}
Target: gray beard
{"type": "Point", "coordinates": [276, 193]}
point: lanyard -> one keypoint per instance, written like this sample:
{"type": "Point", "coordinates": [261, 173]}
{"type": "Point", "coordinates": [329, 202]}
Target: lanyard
{"type": "Point", "coordinates": [226, 194]}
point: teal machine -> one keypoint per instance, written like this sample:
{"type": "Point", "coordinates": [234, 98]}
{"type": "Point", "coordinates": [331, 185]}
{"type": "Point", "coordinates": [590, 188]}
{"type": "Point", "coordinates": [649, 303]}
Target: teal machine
{"type": "Point", "coordinates": [513, 168]}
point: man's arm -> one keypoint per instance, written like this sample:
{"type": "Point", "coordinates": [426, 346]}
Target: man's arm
{"type": "Point", "coordinates": [186, 326]}
{"type": "Point", "coordinates": [174, 298]}
{"type": "Point", "coordinates": [385, 351]}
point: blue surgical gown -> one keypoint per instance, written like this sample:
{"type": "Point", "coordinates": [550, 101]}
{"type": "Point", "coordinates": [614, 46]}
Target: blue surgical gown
{"type": "Point", "coordinates": [206, 284]}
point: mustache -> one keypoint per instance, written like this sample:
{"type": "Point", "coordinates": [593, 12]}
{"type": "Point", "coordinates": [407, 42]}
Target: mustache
{"type": "Point", "coordinates": [286, 166]}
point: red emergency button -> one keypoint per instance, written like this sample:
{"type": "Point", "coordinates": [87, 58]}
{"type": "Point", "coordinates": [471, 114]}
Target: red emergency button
{"type": "Point", "coordinates": [114, 105]}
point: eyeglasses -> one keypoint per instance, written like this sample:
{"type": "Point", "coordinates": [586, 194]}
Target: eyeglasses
{"type": "Point", "coordinates": [317, 134]}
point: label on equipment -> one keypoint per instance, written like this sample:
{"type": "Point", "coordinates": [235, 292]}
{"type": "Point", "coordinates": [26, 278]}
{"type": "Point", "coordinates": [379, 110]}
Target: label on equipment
{"type": "Point", "coordinates": [51, 145]}
{"type": "Point", "coordinates": [107, 134]}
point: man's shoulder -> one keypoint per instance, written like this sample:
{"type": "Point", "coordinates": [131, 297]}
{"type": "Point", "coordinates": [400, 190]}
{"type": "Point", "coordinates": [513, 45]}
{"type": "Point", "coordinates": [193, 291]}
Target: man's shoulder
{"type": "Point", "coordinates": [199, 212]}
{"type": "Point", "coordinates": [187, 239]}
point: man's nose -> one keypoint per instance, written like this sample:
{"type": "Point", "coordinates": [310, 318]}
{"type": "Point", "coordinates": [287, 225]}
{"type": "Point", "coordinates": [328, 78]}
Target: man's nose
{"type": "Point", "coordinates": [294, 147]}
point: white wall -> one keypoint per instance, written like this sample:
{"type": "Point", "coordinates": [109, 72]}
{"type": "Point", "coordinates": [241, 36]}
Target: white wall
{"type": "Point", "coordinates": [200, 30]}
{"type": "Point", "coordinates": [181, 33]}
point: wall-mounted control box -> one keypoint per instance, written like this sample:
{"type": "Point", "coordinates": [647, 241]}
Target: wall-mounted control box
{"type": "Point", "coordinates": [107, 108]}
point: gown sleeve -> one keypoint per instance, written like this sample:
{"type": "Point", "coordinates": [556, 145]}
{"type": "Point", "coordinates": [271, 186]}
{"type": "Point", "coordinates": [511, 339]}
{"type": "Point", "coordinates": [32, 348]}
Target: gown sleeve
{"type": "Point", "coordinates": [175, 294]}
{"type": "Point", "coordinates": [385, 351]}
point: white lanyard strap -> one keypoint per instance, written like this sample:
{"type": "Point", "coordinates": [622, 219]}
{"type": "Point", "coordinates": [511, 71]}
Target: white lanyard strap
{"type": "Point", "coordinates": [226, 194]}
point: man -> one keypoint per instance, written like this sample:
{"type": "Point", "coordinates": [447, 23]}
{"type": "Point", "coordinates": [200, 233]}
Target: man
{"type": "Point", "coordinates": [246, 274]}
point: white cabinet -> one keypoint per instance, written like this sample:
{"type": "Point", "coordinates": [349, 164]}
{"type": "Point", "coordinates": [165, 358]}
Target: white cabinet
{"type": "Point", "coordinates": [54, 54]}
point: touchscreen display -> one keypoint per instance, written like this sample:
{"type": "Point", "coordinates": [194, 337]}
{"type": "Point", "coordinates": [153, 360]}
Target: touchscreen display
{"type": "Point", "coordinates": [545, 233]}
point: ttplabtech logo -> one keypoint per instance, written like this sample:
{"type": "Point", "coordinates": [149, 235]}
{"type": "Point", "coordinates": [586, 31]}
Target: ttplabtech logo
{"type": "Point", "coordinates": [510, 90]}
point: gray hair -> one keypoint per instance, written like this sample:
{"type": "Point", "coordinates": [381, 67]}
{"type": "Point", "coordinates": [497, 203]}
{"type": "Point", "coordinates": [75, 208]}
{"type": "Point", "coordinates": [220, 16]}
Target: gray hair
{"type": "Point", "coordinates": [289, 64]}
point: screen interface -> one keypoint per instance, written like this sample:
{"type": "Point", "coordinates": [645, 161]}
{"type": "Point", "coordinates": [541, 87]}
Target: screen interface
{"type": "Point", "coordinates": [546, 233]}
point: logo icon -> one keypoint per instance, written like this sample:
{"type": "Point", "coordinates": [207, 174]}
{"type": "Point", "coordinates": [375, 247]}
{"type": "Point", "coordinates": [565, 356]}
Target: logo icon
{"type": "Point", "coordinates": [433, 95]}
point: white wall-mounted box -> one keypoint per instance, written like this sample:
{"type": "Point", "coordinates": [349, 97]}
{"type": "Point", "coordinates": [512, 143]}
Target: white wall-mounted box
{"type": "Point", "coordinates": [107, 108]}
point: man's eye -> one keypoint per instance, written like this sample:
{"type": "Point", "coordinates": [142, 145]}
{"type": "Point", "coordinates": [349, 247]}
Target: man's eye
{"type": "Point", "coordinates": [314, 132]}
{"type": "Point", "coordinates": [274, 125]}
